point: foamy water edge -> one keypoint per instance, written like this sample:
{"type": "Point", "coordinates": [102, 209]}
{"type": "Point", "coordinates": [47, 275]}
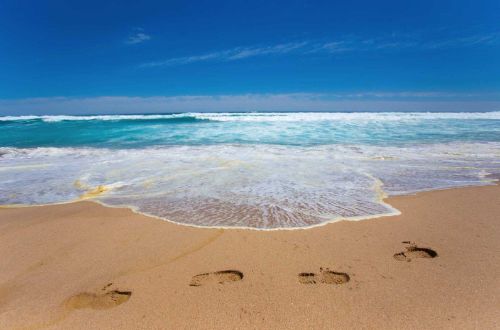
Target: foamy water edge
{"type": "Point", "coordinates": [396, 212]}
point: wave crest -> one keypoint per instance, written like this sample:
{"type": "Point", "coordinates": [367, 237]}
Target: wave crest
{"type": "Point", "coordinates": [269, 117]}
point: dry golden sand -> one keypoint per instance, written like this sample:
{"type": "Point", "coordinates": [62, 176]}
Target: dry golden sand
{"type": "Point", "coordinates": [84, 266]}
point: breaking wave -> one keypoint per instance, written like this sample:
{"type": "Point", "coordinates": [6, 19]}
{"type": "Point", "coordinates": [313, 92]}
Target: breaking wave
{"type": "Point", "coordinates": [264, 117]}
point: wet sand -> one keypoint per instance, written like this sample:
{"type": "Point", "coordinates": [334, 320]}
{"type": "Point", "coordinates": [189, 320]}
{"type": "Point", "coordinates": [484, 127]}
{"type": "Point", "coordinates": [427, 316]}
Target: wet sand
{"type": "Point", "coordinates": [82, 265]}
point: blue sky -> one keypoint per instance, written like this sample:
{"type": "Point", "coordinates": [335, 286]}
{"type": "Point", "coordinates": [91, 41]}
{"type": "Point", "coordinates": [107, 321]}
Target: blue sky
{"type": "Point", "coordinates": [248, 55]}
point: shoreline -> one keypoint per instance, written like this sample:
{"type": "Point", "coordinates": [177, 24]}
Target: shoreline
{"type": "Point", "coordinates": [82, 264]}
{"type": "Point", "coordinates": [383, 199]}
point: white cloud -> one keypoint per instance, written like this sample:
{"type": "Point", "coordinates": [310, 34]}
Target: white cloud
{"type": "Point", "coordinates": [259, 51]}
{"type": "Point", "coordinates": [467, 41]}
{"type": "Point", "coordinates": [363, 101]}
{"type": "Point", "coordinates": [137, 37]}
{"type": "Point", "coordinates": [230, 54]}
{"type": "Point", "coordinates": [335, 47]}
{"type": "Point", "coordinates": [391, 42]}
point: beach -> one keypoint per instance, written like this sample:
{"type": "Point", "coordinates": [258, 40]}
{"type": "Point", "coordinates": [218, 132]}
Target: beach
{"type": "Point", "coordinates": [249, 165]}
{"type": "Point", "coordinates": [82, 265]}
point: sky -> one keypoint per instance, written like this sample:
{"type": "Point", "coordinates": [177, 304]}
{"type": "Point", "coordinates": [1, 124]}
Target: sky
{"type": "Point", "coordinates": [79, 57]}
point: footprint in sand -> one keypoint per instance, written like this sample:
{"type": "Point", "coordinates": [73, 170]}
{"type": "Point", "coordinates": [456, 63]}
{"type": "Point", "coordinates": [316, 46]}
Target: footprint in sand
{"type": "Point", "coordinates": [220, 277]}
{"type": "Point", "coordinates": [326, 276]}
{"type": "Point", "coordinates": [413, 251]}
{"type": "Point", "coordinates": [105, 300]}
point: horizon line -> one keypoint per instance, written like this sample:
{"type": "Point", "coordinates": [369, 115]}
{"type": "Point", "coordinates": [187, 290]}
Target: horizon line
{"type": "Point", "coordinates": [263, 102]}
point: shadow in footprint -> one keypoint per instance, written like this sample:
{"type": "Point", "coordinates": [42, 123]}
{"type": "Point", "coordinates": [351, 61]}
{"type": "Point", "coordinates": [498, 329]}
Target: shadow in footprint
{"type": "Point", "coordinates": [108, 299]}
{"type": "Point", "coordinates": [220, 277]}
{"type": "Point", "coordinates": [413, 251]}
{"type": "Point", "coordinates": [325, 276]}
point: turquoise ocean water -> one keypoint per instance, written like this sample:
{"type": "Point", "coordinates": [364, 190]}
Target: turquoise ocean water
{"type": "Point", "coordinates": [255, 170]}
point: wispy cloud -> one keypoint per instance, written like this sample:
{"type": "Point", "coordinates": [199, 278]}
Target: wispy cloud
{"type": "Point", "coordinates": [360, 101]}
{"type": "Point", "coordinates": [393, 42]}
{"type": "Point", "coordinates": [138, 36]}
{"type": "Point", "coordinates": [269, 50]}
{"type": "Point", "coordinates": [233, 54]}
{"type": "Point", "coordinates": [467, 41]}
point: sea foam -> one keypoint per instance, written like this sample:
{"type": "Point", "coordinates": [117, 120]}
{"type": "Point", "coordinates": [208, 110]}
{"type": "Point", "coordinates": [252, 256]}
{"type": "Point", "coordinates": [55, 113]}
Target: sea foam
{"type": "Point", "coordinates": [270, 116]}
{"type": "Point", "coordinates": [251, 186]}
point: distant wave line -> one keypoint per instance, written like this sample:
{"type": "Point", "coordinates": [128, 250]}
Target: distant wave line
{"type": "Point", "coordinates": [264, 116]}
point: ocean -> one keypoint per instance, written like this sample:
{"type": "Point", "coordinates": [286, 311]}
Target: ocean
{"type": "Point", "coordinates": [245, 170]}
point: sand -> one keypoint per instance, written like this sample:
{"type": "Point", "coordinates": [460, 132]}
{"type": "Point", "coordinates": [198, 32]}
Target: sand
{"type": "Point", "coordinates": [82, 265]}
